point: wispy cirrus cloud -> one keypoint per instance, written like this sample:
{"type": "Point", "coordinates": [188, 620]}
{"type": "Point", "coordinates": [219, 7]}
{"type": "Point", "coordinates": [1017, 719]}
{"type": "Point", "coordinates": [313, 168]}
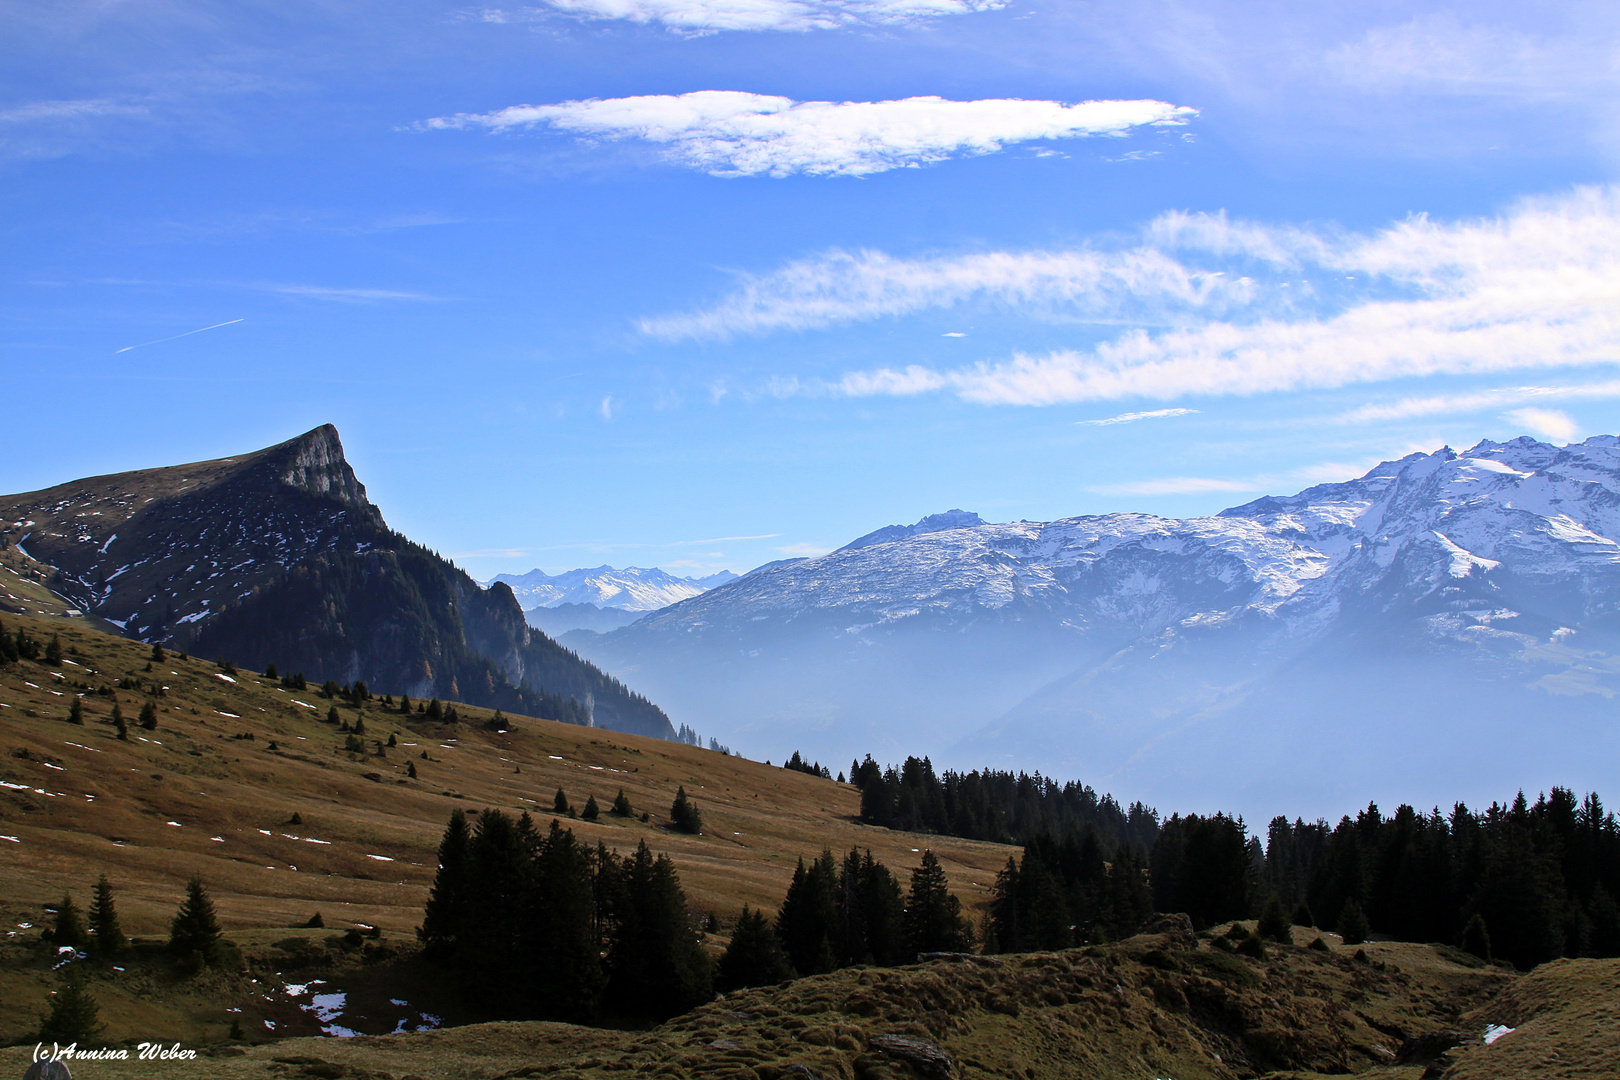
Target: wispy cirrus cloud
{"type": "Point", "coordinates": [840, 287]}
{"type": "Point", "coordinates": [713, 16]}
{"type": "Point", "coordinates": [1175, 485]}
{"type": "Point", "coordinates": [1551, 423]}
{"type": "Point", "coordinates": [1476, 401]}
{"type": "Point", "coordinates": [734, 133]}
{"type": "Point", "coordinates": [1537, 288]}
{"type": "Point", "coordinates": [1132, 417]}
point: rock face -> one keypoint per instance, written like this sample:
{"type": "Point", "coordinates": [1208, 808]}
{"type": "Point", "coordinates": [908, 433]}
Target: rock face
{"type": "Point", "coordinates": [277, 556]}
{"type": "Point", "coordinates": [1397, 630]}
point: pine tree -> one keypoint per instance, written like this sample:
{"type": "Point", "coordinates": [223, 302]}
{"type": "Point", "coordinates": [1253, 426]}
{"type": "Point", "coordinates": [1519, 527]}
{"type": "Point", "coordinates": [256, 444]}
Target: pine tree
{"type": "Point", "coordinates": [271, 671]}
{"type": "Point", "coordinates": [158, 655]}
{"type": "Point", "coordinates": [684, 814]}
{"type": "Point", "coordinates": [445, 917]}
{"type": "Point", "coordinates": [1475, 938]}
{"type": "Point", "coordinates": [404, 704]}
{"type": "Point", "coordinates": [76, 712]}
{"type": "Point", "coordinates": [148, 717]}
{"type": "Point", "coordinates": [621, 805]}
{"type": "Point", "coordinates": [657, 966]}
{"type": "Point", "coordinates": [1274, 923]}
{"type": "Point", "coordinates": [807, 921]}
{"type": "Point", "coordinates": [118, 722]}
{"type": "Point", "coordinates": [559, 805]}
{"type": "Point", "coordinates": [53, 651]}
{"type": "Point", "coordinates": [334, 717]}
{"type": "Point", "coordinates": [1352, 923]}
{"type": "Point", "coordinates": [194, 933]}
{"type": "Point", "coordinates": [933, 920]}
{"type": "Point", "coordinates": [105, 933]}
{"type": "Point", "coordinates": [754, 957]}
{"type": "Point", "coordinates": [591, 811]}
{"type": "Point", "coordinates": [435, 711]}
{"type": "Point", "coordinates": [74, 1016]}
{"type": "Point", "coordinates": [410, 769]}
{"type": "Point", "coordinates": [69, 929]}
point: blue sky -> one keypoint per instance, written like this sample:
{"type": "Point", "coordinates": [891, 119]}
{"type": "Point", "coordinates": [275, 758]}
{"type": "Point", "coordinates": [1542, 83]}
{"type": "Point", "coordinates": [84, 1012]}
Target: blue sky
{"type": "Point", "coordinates": [705, 283]}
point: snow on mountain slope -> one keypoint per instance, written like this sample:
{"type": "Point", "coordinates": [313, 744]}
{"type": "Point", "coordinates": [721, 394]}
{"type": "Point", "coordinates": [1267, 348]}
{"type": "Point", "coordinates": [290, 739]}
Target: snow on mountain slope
{"type": "Point", "coordinates": [630, 589]}
{"type": "Point", "coordinates": [1489, 579]}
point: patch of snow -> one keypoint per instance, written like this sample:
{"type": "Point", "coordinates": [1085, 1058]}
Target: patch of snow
{"type": "Point", "coordinates": [1496, 1031]}
{"type": "Point", "coordinates": [218, 674]}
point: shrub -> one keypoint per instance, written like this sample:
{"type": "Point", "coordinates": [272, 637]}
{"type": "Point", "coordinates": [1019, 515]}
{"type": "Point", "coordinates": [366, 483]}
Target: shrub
{"type": "Point", "coordinates": [1274, 923]}
{"type": "Point", "coordinates": [1253, 946]}
{"type": "Point", "coordinates": [684, 814]}
{"type": "Point", "coordinates": [1353, 923]}
{"type": "Point", "coordinates": [1319, 945]}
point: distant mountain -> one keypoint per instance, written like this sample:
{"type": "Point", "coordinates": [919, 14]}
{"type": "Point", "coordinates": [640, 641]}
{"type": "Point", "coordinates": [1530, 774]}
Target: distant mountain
{"type": "Point", "coordinates": [600, 598]}
{"type": "Point", "coordinates": [277, 556]}
{"type": "Point", "coordinates": [1448, 623]}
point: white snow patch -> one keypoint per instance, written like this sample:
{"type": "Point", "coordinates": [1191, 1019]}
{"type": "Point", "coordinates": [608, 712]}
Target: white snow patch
{"type": "Point", "coordinates": [1496, 1031]}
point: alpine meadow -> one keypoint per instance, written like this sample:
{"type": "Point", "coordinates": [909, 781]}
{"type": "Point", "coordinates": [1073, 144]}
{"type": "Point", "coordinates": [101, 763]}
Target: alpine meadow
{"type": "Point", "coordinates": [809, 540]}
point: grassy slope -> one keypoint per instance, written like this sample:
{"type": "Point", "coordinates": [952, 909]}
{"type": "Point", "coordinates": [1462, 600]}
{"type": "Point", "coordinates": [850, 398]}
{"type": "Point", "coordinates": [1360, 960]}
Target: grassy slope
{"type": "Point", "coordinates": [758, 819]}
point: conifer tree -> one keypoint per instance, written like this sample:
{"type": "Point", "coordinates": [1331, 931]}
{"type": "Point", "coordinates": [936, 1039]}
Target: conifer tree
{"type": "Point", "coordinates": [69, 928]}
{"type": "Point", "coordinates": [334, 717]}
{"type": "Point", "coordinates": [8, 647]}
{"type": "Point", "coordinates": [591, 811]}
{"type": "Point", "coordinates": [871, 912]}
{"type": "Point", "coordinates": [74, 1016]}
{"type": "Point", "coordinates": [105, 933]}
{"type": "Point", "coordinates": [271, 671]}
{"type": "Point", "coordinates": [621, 805]}
{"type": "Point", "coordinates": [807, 922]}
{"type": "Point", "coordinates": [76, 712]}
{"type": "Point", "coordinates": [118, 722]}
{"type": "Point", "coordinates": [444, 918]}
{"type": "Point", "coordinates": [1274, 923]}
{"type": "Point", "coordinates": [53, 651]}
{"type": "Point", "coordinates": [1352, 923]}
{"type": "Point", "coordinates": [562, 939]}
{"type": "Point", "coordinates": [194, 933]}
{"type": "Point", "coordinates": [1475, 938]}
{"type": "Point", "coordinates": [657, 966]}
{"type": "Point", "coordinates": [158, 655]}
{"type": "Point", "coordinates": [435, 711]}
{"type": "Point", "coordinates": [404, 704]}
{"type": "Point", "coordinates": [559, 805]}
{"type": "Point", "coordinates": [148, 717]}
{"type": "Point", "coordinates": [410, 769]}
{"type": "Point", "coordinates": [754, 957]}
{"type": "Point", "coordinates": [684, 814]}
{"type": "Point", "coordinates": [933, 920]}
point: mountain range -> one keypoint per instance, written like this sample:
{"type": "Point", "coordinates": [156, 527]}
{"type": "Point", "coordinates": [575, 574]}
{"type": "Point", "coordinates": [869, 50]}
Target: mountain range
{"type": "Point", "coordinates": [1445, 624]}
{"type": "Point", "coordinates": [278, 557]}
{"type": "Point", "coordinates": [600, 598]}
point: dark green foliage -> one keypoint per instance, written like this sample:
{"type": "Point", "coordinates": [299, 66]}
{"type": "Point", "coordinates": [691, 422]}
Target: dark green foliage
{"type": "Point", "coordinates": [118, 722]}
{"type": "Point", "coordinates": [621, 805]}
{"type": "Point", "coordinates": [316, 922]}
{"type": "Point", "coordinates": [410, 769]}
{"type": "Point", "coordinates": [798, 764]}
{"type": "Point", "coordinates": [870, 926]}
{"type": "Point", "coordinates": [106, 936]}
{"type": "Point", "coordinates": [69, 927]}
{"type": "Point", "coordinates": [754, 957]}
{"type": "Point", "coordinates": [158, 655]}
{"type": "Point", "coordinates": [53, 651]}
{"type": "Point", "coordinates": [334, 717]}
{"type": "Point", "coordinates": [148, 717]}
{"type": "Point", "coordinates": [808, 919]}
{"type": "Point", "coordinates": [559, 804]}
{"type": "Point", "coordinates": [393, 739]}
{"type": "Point", "coordinates": [74, 1016]}
{"type": "Point", "coordinates": [404, 704]}
{"type": "Point", "coordinates": [1352, 923]}
{"type": "Point", "coordinates": [1253, 946]}
{"type": "Point", "coordinates": [684, 814]}
{"type": "Point", "coordinates": [8, 646]}
{"type": "Point", "coordinates": [435, 711]}
{"type": "Point", "coordinates": [933, 917]}
{"type": "Point", "coordinates": [195, 931]}
{"type": "Point", "coordinates": [591, 811]}
{"type": "Point", "coordinates": [1226, 968]}
{"type": "Point", "coordinates": [1319, 945]}
{"type": "Point", "coordinates": [27, 648]}
{"type": "Point", "coordinates": [1201, 865]}
{"type": "Point", "coordinates": [1475, 938]}
{"type": "Point", "coordinates": [360, 725]}
{"type": "Point", "coordinates": [656, 967]}
{"type": "Point", "coordinates": [271, 671]}
{"type": "Point", "coordinates": [1302, 915]}
{"type": "Point", "coordinates": [1274, 924]}
{"type": "Point", "coordinates": [1158, 958]}
{"type": "Point", "coordinates": [76, 712]}
{"type": "Point", "coordinates": [1003, 807]}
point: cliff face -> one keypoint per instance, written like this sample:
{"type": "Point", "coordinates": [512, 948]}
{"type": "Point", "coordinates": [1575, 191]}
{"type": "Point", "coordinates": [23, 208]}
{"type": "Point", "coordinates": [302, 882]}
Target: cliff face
{"type": "Point", "coordinates": [277, 556]}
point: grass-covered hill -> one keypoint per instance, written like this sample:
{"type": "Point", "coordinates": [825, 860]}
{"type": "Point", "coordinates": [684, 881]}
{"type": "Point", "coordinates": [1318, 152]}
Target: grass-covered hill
{"type": "Point", "coordinates": [213, 790]}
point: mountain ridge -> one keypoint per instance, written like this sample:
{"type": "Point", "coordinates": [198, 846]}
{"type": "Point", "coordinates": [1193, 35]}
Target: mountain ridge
{"type": "Point", "coordinates": [277, 556]}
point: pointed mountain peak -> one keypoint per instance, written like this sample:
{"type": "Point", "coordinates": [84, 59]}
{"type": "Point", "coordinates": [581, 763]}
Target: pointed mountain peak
{"type": "Point", "coordinates": [950, 519]}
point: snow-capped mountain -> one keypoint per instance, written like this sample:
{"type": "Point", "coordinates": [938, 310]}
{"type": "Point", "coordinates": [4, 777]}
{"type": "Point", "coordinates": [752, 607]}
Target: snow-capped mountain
{"type": "Point", "coordinates": [1405, 627]}
{"type": "Point", "coordinates": [630, 589]}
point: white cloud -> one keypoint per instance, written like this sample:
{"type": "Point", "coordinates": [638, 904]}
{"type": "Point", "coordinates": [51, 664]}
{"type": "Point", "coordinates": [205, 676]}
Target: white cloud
{"type": "Point", "coordinates": [1537, 288]}
{"type": "Point", "coordinates": [1132, 417]}
{"type": "Point", "coordinates": [76, 109]}
{"type": "Point", "coordinates": [1548, 422]}
{"type": "Point", "coordinates": [1479, 401]}
{"type": "Point", "coordinates": [1175, 485]}
{"type": "Point", "coordinates": [711, 16]}
{"type": "Point", "coordinates": [606, 408]}
{"type": "Point", "coordinates": [842, 287]}
{"type": "Point", "coordinates": [733, 133]}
